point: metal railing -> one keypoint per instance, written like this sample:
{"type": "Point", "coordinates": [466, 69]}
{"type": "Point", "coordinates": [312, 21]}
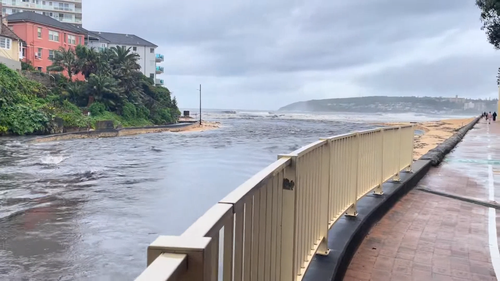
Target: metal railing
{"type": "Point", "coordinates": [270, 227]}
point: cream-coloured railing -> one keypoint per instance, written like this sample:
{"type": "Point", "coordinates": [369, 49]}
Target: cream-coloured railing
{"type": "Point", "coordinates": [270, 227]}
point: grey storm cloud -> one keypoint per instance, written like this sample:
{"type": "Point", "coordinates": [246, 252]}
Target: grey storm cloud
{"type": "Point", "coordinates": [464, 75]}
{"type": "Point", "coordinates": [298, 49]}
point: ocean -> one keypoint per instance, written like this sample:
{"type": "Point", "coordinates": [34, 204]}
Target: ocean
{"type": "Point", "coordinates": [87, 209]}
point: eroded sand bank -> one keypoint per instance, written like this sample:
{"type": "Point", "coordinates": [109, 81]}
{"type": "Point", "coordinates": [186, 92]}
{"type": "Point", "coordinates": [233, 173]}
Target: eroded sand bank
{"type": "Point", "coordinates": [195, 127]}
{"type": "Point", "coordinates": [205, 126]}
{"type": "Point", "coordinates": [432, 133]}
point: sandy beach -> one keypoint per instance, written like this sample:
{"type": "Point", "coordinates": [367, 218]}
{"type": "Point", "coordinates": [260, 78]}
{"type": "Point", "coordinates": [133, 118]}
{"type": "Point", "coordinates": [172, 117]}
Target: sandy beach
{"type": "Point", "coordinates": [434, 133]}
{"type": "Point", "coordinates": [205, 126]}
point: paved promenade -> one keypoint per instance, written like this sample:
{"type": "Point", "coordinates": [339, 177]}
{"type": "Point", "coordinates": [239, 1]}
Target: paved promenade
{"type": "Point", "coordinates": [428, 236]}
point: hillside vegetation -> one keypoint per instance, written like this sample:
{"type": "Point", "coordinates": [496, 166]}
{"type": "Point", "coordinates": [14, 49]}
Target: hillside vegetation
{"type": "Point", "coordinates": [392, 104]}
{"type": "Point", "coordinates": [114, 89]}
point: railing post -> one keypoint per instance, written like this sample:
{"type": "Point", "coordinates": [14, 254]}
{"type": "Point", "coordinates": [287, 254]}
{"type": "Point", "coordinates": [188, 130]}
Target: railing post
{"type": "Point", "coordinates": [397, 177]}
{"type": "Point", "coordinates": [378, 190]}
{"type": "Point", "coordinates": [325, 197]}
{"type": "Point", "coordinates": [198, 251]}
{"type": "Point", "coordinates": [353, 211]}
{"type": "Point", "coordinates": [288, 228]}
{"type": "Point", "coordinates": [409, 168]}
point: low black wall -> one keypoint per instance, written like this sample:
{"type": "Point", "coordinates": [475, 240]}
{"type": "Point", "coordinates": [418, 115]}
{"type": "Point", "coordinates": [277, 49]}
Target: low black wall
{"type": "Point", "coordinates": [348, 233]}
{"type": "Point", "coordinates": [436, 155]}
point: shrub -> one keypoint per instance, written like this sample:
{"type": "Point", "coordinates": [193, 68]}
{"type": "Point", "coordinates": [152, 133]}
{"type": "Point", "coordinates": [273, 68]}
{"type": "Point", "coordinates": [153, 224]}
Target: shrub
{"type": "Point", "coordinates": [129, 111]}
{"type": "Point", "coordinates": [97, 108]}
{"type": "Point", "coordinates": [72, 115]}
{"type": "Point", "coordinates": [22, 119]}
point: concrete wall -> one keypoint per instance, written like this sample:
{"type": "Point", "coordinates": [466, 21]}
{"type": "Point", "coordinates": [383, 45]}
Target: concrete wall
{"type": "Point", "coordinates": [12, 64]}
{"type": "Point", "coordinates": [112, 133]}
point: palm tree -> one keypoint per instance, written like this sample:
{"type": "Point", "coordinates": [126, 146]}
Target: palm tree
{"type": "Point", "coordinates": [87, 60]}
{"type": "Point", "coordinates": [105, 89]}
{"type": "Point", "coordinates": [65, 60]}
{"type": "Point", "coordinates": [126, 71]}
{"type": "Point", "coordinates": [76, 93]}
{"type": "Point", "coordinates": [125, 59]}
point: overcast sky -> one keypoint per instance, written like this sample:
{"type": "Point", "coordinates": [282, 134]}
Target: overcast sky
{"type": "Point", "coordinates": [264, 54]}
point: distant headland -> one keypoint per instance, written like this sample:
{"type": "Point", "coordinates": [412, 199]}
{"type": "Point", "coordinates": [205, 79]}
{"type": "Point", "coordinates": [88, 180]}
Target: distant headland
{"type": "Point", "coordinates": [427, 105]}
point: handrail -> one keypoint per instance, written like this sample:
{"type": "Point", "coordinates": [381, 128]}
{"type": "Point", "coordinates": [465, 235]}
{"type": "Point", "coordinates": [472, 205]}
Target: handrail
{"type": "Point", "coordinates": [271, 226]}
{"type": "Point", "coordinates": [165, 267]}
{"type": "Point", "coordinates": [255, 182]}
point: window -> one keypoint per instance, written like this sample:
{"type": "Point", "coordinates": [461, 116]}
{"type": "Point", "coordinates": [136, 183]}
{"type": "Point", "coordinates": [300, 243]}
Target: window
{"type": "Point", "coordinates": [152, 75]}
{"type": "Point", "coordinates": [39, 32]}
{"type": "Point", "coordinates": [13, 2]}
{"type": "Point", "coordinates": [39, 68]}
{"type": "Point", "coordinates": [79, 40]}
{"type": "Point", "coordinates": [38, 55]}
{"type": "Point", "coordinates": [152, 50]}
{"type": "Point", "coordinates": [50, 3]}
{"type": "Point", "coordinates": [43, 2]}
{"type": "Point", "coordinates": [51, 54]}
{"type": "Point", "coordinates": [71, 39]}
{"type": "Point", "coordinates": [134, 49]}
{"type": "Point", "coordinates": [5, 43]}
{"type": "Point", "coordinates": [53, 36]}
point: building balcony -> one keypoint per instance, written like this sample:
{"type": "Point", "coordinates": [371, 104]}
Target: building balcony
{"type": "Point", "coordinates": [159, 69]}
{"type": "Point", "coordinates": [159, 82]}
{"type": "Point", "coordinates": [159, 58]}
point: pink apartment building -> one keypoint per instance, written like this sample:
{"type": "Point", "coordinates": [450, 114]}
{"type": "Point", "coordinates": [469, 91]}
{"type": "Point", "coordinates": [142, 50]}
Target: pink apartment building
{"type": "Point", "coordinates": [43, 35]}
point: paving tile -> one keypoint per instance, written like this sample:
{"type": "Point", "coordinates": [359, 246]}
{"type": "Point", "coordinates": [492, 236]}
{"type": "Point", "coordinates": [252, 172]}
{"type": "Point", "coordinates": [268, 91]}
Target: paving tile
{"type": "Point", "coordinates": [429, 237]}
{"type": "Point", "coordinates": [380, 275]}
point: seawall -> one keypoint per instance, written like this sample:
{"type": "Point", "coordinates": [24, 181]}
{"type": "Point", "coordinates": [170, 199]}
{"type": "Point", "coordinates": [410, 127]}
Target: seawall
{"type": "Point", "coordinates": [109, 133]}
{"type": "Point", "coordinates": [347, 233]}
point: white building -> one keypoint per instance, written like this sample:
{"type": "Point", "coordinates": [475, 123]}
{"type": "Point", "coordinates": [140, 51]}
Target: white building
{"type": "Point", "coordinates": [469, 105]}
{"type": "Point", "coordinates": [69, 11]}
{"type": "Point", "coordinates": [148, 58]}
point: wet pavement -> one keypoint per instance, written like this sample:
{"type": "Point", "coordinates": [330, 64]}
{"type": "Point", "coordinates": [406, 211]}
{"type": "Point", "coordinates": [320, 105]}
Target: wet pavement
{"type": "Point", "coordinates": [433, 237]}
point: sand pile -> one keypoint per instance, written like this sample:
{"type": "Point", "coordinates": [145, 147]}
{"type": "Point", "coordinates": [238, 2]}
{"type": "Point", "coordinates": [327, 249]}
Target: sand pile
{"type": "Point", "coordinates": [432, 133]}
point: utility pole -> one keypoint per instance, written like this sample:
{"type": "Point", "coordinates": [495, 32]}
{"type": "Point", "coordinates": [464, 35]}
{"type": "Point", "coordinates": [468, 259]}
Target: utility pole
{"type": "Point", "coordinates": [200, 104]}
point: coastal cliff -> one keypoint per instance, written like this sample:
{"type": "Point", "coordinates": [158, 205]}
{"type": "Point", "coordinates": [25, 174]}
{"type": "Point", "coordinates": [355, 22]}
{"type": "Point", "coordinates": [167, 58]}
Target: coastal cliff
{"type": "Point", "coordinates": [426, 105]}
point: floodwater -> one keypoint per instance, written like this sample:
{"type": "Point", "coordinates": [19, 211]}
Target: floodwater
{"type": "Point", "coordinates": [88, 209]}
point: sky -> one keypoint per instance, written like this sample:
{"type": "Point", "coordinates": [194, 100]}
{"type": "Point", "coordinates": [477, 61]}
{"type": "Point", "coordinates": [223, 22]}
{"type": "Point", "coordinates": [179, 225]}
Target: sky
{"type": "Point", "coordinates": [265, 54]}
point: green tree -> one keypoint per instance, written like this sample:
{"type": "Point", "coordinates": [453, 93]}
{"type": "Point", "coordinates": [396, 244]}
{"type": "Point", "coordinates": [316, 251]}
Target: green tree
{"type": "Point", "coordinates": [27, 65]}
{"type": "Point", "coordinates": [65, 60]}
{"type": "Point", "coordinates": [126, 71]}
{"type": "Point", "coordinates": [124, 59]}
{"type": "Point", "coordinates": [88, 60]}
{"type": "Point", "coordinates": [104, 89]}
{"type": "Point", "coordinates": [490, 16]}
{"type": "Point", "coordinates": [113, 80]}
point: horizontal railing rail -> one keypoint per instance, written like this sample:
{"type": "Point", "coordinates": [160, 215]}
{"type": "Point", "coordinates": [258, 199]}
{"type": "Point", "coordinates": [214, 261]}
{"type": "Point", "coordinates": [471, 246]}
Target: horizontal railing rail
{"type": "Point", "coordinates": [271, 226]}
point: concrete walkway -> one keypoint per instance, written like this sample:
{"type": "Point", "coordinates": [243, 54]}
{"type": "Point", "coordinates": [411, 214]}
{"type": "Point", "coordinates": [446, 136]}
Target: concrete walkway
{"type": "Point", "coordinates": [428, 236]}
